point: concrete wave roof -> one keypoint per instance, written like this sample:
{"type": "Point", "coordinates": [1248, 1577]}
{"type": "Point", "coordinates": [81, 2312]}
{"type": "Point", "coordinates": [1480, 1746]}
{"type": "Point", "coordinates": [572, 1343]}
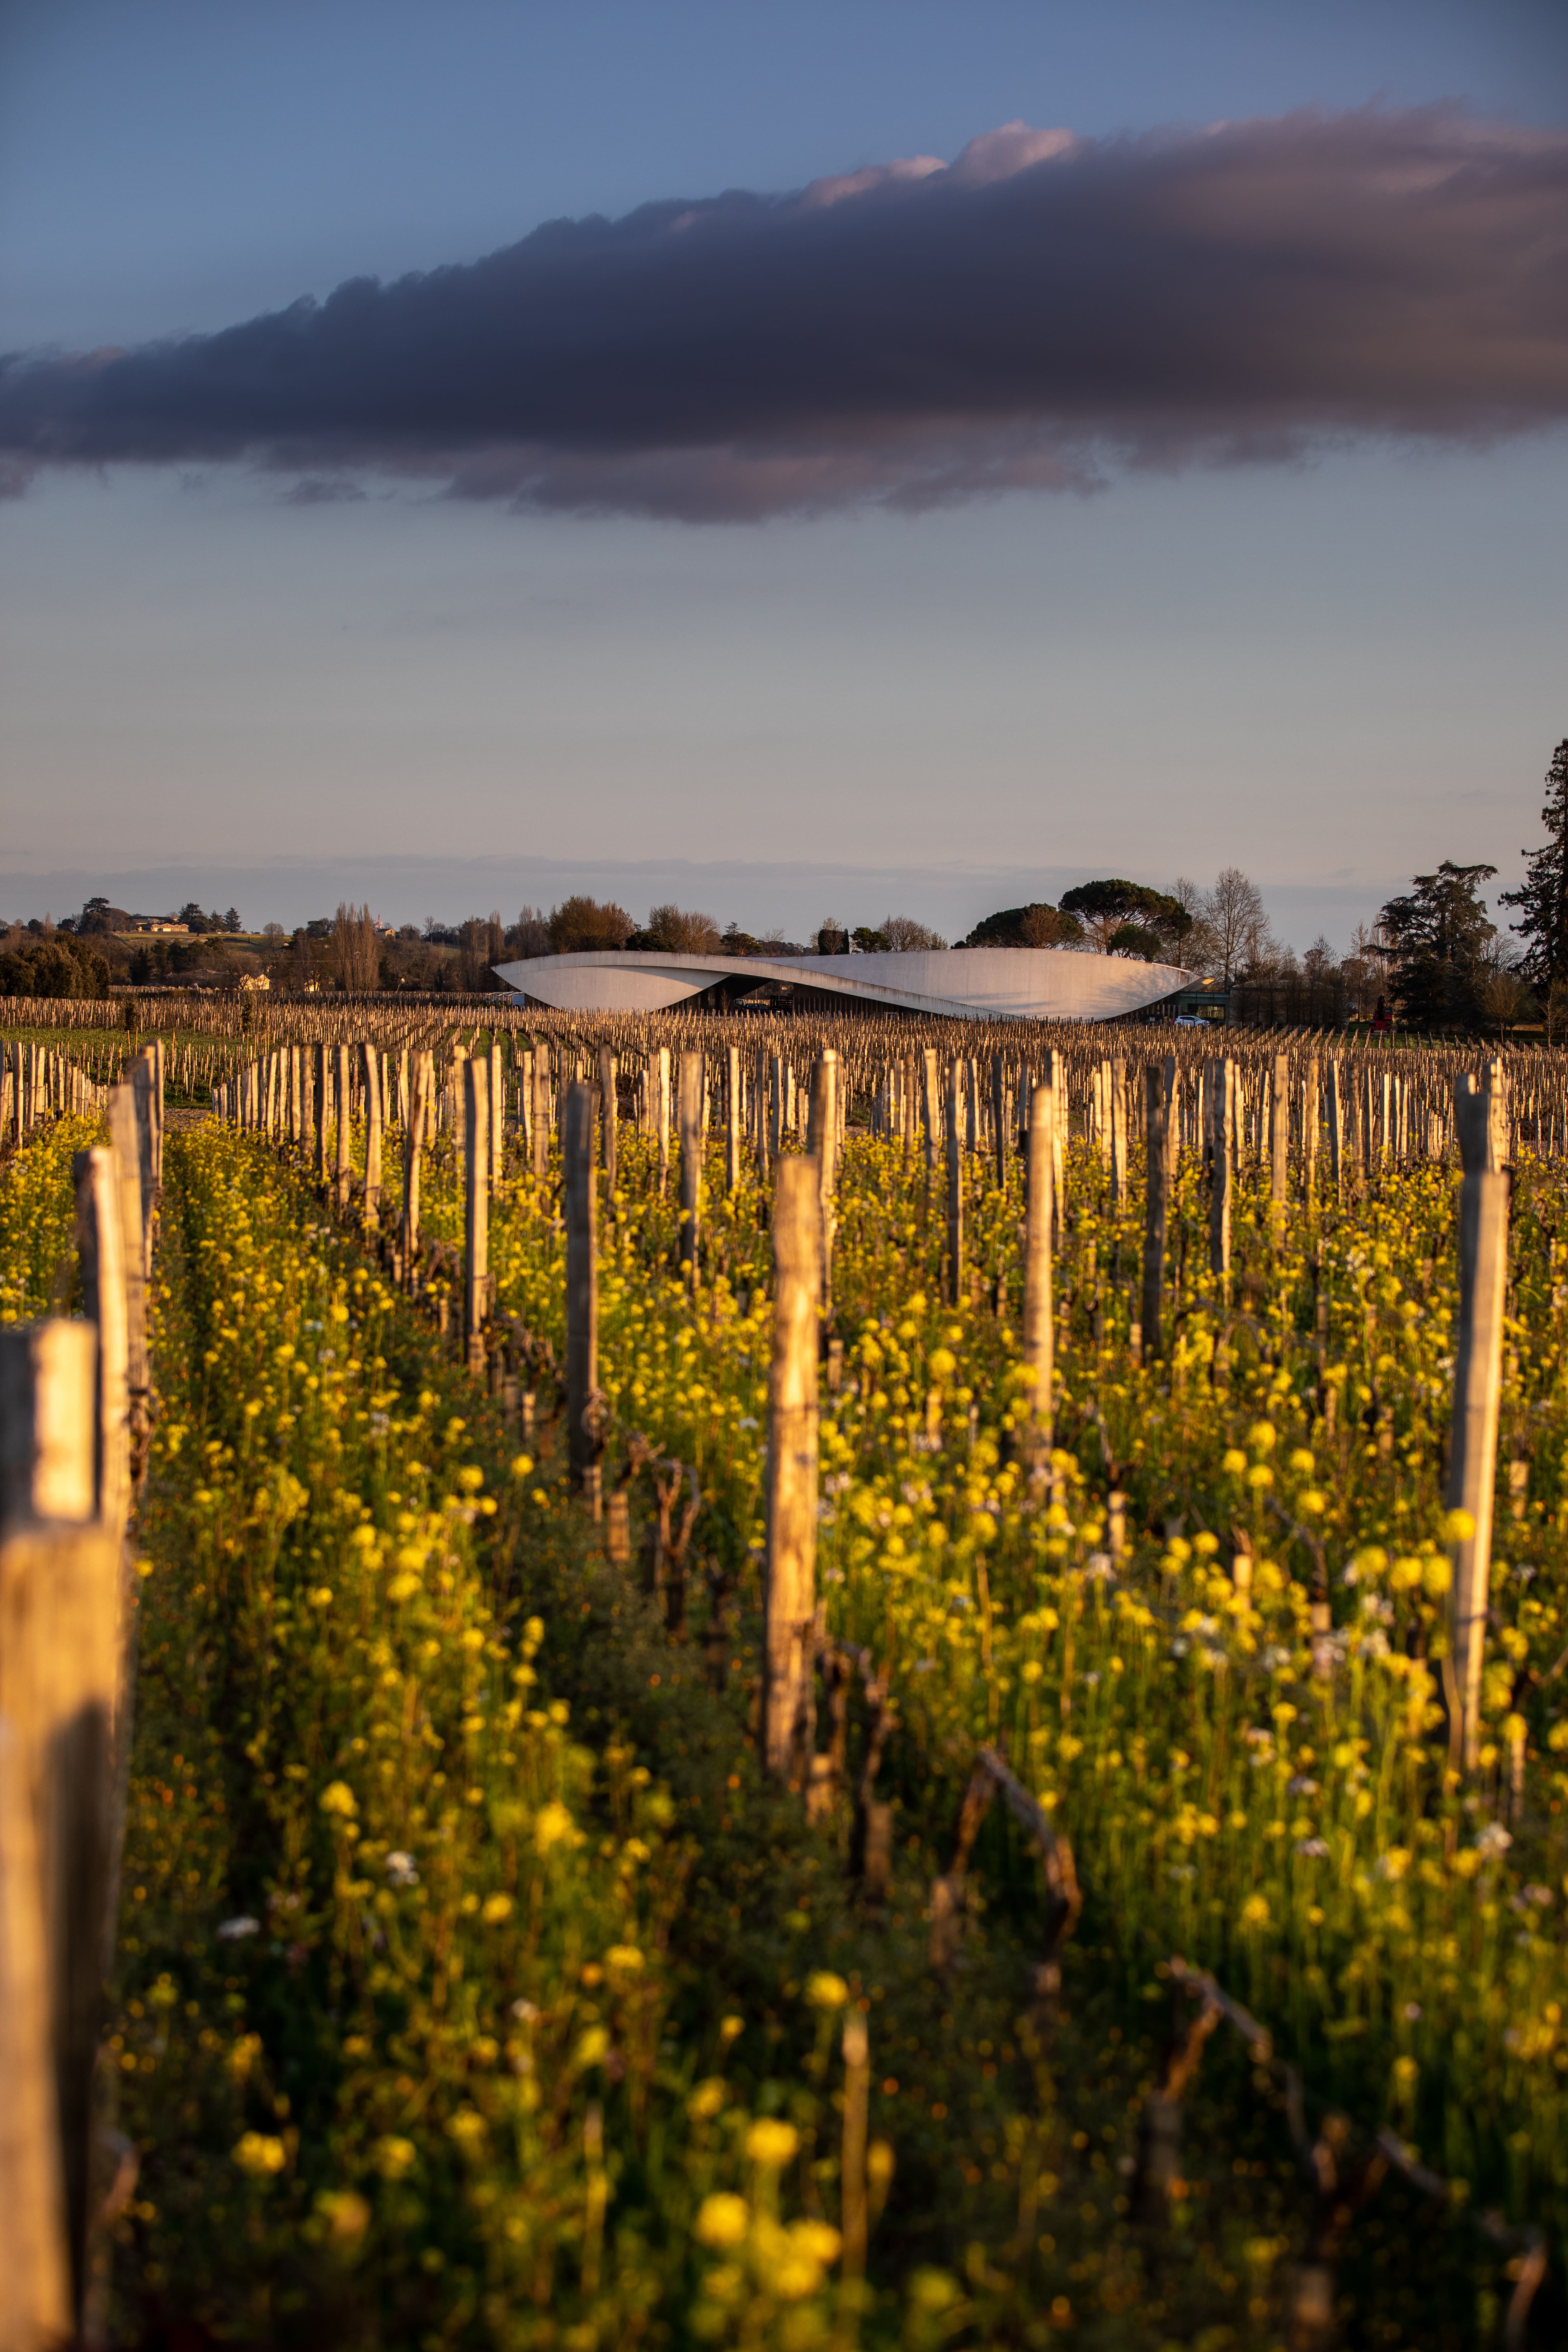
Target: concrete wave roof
{"type": "Point", "coordinates": [962, 984]}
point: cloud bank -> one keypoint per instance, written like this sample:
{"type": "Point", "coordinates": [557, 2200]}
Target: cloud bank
{"type": "Point", "coordinates": [1042, 309]}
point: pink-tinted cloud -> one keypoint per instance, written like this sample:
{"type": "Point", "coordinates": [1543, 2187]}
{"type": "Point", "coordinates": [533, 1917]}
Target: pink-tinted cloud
{"type": "Point", "coordinates": [1039, 312]}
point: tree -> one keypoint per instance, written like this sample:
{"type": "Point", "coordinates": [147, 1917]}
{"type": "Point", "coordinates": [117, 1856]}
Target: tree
{"type": "Point", "coordinates": [1136, 940]}
{"type": "Point", "coordinates": [677, 930]}
{"type": "Point", "coordinates": [1107, 907]}
{"type": "Point", "coordinates": [356, 949]}
{"type": "Point", "coordinates": [737, 943]}
{"type": "Point", "coordinates": [231, 920]}
{"type": "Point", "coordinates": [60, 965]}
{"type": "Point", "coordinates": [1434, 939]}
{"type": "Point", "coordinates": [832, 938]}
{"type": "Point", "coordinates": [906, 936]}
{"type": "Point", "coordinates": [1036, 925]}
{"type": "Point", "coordinates": [866, 941]}
{"type": "Point", "coordinates": [580, 924]}
{"type": "Point", "coordinates": [1233, 911]}
{"type": "Point", "coordinates": [530, 935]}
{"type": "Point", "coordinates": [1544, 894]}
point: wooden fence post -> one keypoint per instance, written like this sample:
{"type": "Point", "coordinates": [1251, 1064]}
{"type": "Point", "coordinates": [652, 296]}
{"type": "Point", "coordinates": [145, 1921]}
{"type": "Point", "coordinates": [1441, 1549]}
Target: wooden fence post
{"type": "Point", "coordinates": [1156, 1213]}
{"type": "Point", "coordinates": [1480, 1120]}
{"type": "Point", "coordinates": [1310, 1130]}
{"type": "Point", "coordinates": [1038, 1333]}
{"type": "Point", "coordinates": [583, 1440]}
{"type": "Point", "coordinates": [497, 1113]}
{"type": "Point", "coordinates": [789, 1594]}
{"type": "Point", "coordinates": [413, 1148]}
{"type": "Point", "coordinates": [659, 1073]}
{"type": "Point", "coordinates": [476, 1210]}
{"type": "Point", "coordinates": [59, 1633]}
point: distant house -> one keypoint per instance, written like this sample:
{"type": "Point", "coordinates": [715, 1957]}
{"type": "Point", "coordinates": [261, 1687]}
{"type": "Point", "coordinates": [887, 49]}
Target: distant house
{"type": "Point", "coordinates": [251, 980]}
{"type": "Point", "coordinates": [166, 924]}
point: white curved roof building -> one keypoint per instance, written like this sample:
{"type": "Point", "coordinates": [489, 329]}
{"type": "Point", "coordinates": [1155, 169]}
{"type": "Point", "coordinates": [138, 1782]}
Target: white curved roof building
{"type": "Point", "coordinates": [964, 983]}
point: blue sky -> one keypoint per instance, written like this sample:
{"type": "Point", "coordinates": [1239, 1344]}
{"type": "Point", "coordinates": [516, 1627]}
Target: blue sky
{"type": "Point", "coordinates": [1333, 669]}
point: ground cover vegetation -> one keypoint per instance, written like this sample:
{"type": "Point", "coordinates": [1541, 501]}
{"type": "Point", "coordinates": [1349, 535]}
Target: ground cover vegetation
{"type": "Point", "coordinates": [473, 1986]}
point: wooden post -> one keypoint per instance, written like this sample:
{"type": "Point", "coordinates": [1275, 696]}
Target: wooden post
{"type": "Point", "coordinates": [1336, 1127]}
{"type": "Point", "coordinates": [497, 1114]}
{"type": "Point", "coordinates": [659, 1073]}
{"type": "Point", "coordinates": [1119, 1109]}
{"type": "Point", "coordinates": [775, 1105]}
{"type": "Point", "coordinates": [954, 1184]}
{"type": "Point", "coordinates": [691, 1074]}
{"type": "Point", "coordinates": [999, 1116]}
{"type": "Point", "coordinates": [342, 1169]}
{"type": "Point", "coordinates": [1280, 1146]}
{"type": "Point", "coordinates": [1222, 1152]}
{"type": "Point", "coordinates": [1310, 1130]}
{"type": "Point", "coordinates": [372, 1131]}
{"type": "Point", "coordinates": [1038, 1333]}
{"type": "Point", "coordinates": [321, 1109]}
{"type": "Point", "coordinates": [1156, 1213]}
{"type": "Point", "coordinates": [582, 1439]}
{"type": "Point", "coordinates": [542, 1111]}
{"type": "Point", "coordinates": [413, 1148]}
{"type": "Point", "coordinates": [477, 1199]}
{"type": "Point", "coordinates": [789, 1593]}
{"type": "Point", "coordinates": [763, 1120]}
{"type": "Point", "coordinates": [143, 1091]}
{"type": "Point", "coordinates": [609, 1122]}
{"type": "Point", "coordinates": [733, 1118]}
{"type": "Point", "coordinates": [101, 1249]}
{"type": "Point", "coordinates": [36, 2299]}
{"type": "Point", "coordinates": [931, 1106]}
{"type": "Point", "coordinates": [123, 1138]}
{"type": "Point", "coordinates": [59, 1629]}
{"type": "Point", "coordinates": [1481, 1123]}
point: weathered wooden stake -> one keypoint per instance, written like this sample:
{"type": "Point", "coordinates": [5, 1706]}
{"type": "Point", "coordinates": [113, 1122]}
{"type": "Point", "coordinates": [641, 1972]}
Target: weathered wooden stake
{"type": "Point", "coordinates": [477, 1198]}
{"type": "Point", "coordinates": [372, 1135]}
{"type": "Point", "coordinates": [584, 1442]}
{"type": "Point", "coordinates": [1280, 1142]}
{"type": "Point", "coordinates": [789, 1596]}
{"type": "Point", "coordinates": [1038, 1333]}
{"type": "Point", "coordinates": [609, 1122]}
{"type": "Point", "coordinates": [1222, 1145]}
{"type": "Point", "coordinates": [322, 1108]}
{"type": "Point", "coordinates": [954, 1269]}
{"type": "Point", "coordinates": [731, 1119]}
{"type": "Point", "coordinates": [1481, 1123]}
{"type": "Point", "coordinates": [59, 1637]}
{"type": "Point", "coordinates": [1156, 1213]}
{"type": "Point", "coordinates": [691, 1112]}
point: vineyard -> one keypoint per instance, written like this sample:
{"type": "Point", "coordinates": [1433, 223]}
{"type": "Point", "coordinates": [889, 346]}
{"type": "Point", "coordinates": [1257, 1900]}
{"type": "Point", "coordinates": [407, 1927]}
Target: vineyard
{"type": "Point", "coordinates": [782, 1681]}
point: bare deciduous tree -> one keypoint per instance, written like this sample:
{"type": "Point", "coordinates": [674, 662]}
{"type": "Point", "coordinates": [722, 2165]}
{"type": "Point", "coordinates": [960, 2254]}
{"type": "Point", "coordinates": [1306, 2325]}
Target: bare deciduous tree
{"type": "Point", "coordinates": [1234, 912]}
{"type": "Point", "coordinates": [682, 930]}
{"type": "Point", "coordinates": [904, 935]}
{"type": "Point", "coordinates": [356, 949]}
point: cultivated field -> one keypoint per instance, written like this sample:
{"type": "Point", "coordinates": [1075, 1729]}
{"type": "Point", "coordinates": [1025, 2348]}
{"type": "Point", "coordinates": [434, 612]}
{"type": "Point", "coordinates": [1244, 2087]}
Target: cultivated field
{"type": "Point", "coordinates": [891, 1719]}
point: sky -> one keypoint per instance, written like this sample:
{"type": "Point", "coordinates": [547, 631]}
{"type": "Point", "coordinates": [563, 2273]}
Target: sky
{"type": "Point", "coordinates": [802, 461]}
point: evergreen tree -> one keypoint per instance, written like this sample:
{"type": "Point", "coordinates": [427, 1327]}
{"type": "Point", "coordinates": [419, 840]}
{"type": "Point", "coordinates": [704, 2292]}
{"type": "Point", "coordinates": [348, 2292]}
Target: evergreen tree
{"type": "Point", "coordinates": [1435, 938]}
{"type": "Point", "coordinates": [1543, 897]}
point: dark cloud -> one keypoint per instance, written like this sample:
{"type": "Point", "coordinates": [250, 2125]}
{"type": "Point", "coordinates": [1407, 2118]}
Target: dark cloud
{"type": "Point", "coordinates": [909, 333]}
